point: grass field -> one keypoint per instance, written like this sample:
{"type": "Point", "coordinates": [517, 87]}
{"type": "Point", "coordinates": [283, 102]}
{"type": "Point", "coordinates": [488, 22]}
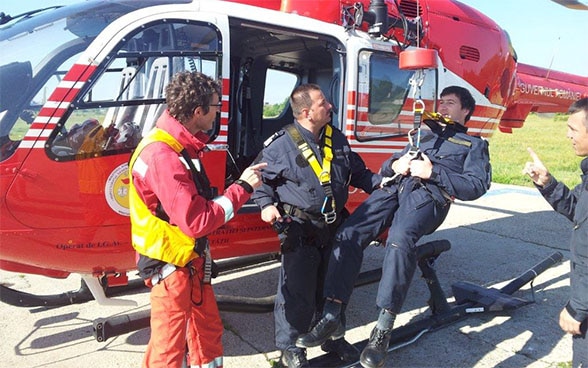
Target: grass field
{"type": "Point", "coordinates": [547, 137]}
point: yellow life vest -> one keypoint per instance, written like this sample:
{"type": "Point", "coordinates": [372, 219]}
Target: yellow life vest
{"type": "Point", "coordinates": [152, 236]}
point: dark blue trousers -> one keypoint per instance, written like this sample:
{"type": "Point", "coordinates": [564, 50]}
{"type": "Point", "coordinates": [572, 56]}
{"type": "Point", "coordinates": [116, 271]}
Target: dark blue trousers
{"type": "Point", "coordinates": [300, 287]}
{"type": "Point", "coordinates": [580, 347]}
{"type": "Point", "coordinates": [411, 212]}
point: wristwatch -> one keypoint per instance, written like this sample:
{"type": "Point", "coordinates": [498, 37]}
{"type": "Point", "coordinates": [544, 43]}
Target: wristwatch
{"type": "Point", "coordinates": [248, 188]}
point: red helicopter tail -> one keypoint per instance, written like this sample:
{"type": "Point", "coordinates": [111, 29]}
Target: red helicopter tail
{"type": "Point", "coordinates": [541, 90]}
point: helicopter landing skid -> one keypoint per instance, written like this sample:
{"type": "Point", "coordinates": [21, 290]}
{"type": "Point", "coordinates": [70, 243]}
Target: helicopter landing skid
{"type": "Point", "coordinates": [84, 294]}
{"type": "Point", "coordinates": [469, 299]}
{"type": "Point", "coordinates": [93, 289]}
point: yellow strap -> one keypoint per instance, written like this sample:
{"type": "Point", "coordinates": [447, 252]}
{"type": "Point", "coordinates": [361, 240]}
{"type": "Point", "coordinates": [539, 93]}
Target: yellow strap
{"type": "Point", "coordinates": [155, 135]}
{"type": "Point", "coordinates": [322, 172]}
{"type": "Point", "coordinates": [437, 117]}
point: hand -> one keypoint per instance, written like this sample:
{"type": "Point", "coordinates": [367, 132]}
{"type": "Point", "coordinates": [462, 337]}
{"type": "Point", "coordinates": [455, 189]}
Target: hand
{"type": "Point", "coordinates": [270, 214]}
{"type": "Point", "coordinates": [536, 170]}
{"type": "Point", "coordinates": [402, 165]}
{"type": "Point", "coordinates": [252, 175]}
{"type": "Point", "coordinates": [568, 323]}
{"type": "Point", "coordinates": [421, 168]}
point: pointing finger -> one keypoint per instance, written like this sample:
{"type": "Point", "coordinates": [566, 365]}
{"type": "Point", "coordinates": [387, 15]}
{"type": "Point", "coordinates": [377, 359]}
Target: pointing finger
{"type": "Point", "coordinates": [258, 166]}
{"type": "Point", "coordinates": [533, 155]}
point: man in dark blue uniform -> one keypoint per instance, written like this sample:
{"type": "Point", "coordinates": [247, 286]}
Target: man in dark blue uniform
{"type": "Point", "coordinates": [305, 187]}
{"type": "Point", "coordinates": [573, 204]}
{"type": "Point", "coordinates": [448, 163]}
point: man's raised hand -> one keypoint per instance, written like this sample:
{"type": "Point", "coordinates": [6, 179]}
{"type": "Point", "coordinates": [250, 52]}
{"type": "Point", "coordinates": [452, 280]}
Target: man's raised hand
{"type": "Point", "coordinates": [536, 170]}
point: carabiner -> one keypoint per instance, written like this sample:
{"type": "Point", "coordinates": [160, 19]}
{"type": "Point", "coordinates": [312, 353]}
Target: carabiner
{"type": "Point", "coordinates": [330, 216]}
{"type": "Point", "coordinates": [421, 106]}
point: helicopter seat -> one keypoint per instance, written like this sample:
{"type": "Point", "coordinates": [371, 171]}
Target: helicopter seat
{"type": "Point", "coordinates": [131, 88]}
{"type": "Point", "coordinates": [158, 78]}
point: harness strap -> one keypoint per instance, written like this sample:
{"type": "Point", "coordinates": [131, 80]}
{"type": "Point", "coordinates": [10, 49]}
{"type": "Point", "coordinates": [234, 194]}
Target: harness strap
{"type": "Point", "coordinates": [418, 107]}
{"type": "Point", "coordinates": [322, 171]}
{"type": "Point", "coordinates": [297, 212]}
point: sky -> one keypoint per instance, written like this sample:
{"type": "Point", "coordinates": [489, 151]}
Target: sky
{"type": "Point", "coordinates": [543, 33]}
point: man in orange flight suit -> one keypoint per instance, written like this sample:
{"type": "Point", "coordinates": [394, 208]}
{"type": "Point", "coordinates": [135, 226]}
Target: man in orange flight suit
{"type": "Point", "coordinates": [172, 210]}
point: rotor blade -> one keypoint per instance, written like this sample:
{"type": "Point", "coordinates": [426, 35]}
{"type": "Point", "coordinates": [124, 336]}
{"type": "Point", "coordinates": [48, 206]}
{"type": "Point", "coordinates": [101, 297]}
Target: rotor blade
{"type": "Point", "coordinates": [572, 4]}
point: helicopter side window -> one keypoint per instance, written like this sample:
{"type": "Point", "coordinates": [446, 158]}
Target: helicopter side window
{"type": "Point", "coordinates": [382, 92]}
{"type": "Point", "coordinates": [128, 96]}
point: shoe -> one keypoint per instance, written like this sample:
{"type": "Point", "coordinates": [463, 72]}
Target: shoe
{"type": "Point", "coordinates": [294, 358]}
{"type": "Point", "coordinates": [374, 354]}
{"type": "Point", "coordinates": [321, 332]}
{"type": "Point", "coordinates": [346, 352]}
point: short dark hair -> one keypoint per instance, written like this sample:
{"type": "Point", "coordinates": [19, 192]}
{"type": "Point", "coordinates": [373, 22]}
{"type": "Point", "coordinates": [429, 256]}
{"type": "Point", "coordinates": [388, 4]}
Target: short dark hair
{"type": "Point", "coordinates": [580, 105]}
{"type": "Point", "coordinates": [187, 91]}
{"type": "Point", "coordinates": [465, 98]}
{"type": "Point", "coordinates": [300, 97]}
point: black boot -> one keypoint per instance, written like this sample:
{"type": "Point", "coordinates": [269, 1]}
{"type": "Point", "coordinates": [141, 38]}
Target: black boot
{"type": "Point", "coordinates": [374, 354]}
{"type": "Point", "coordinates": [325, 329]}
{"type": "Point", "coordinates": [346, 352]}
{"type": "Point", "coordinates": [294, 358]}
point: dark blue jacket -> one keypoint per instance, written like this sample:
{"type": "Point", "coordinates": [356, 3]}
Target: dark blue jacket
{"type": "Point", "coordinates": [461, 163]}
{"type": "Point", "coordinates": [573, 204]}
{"type": "Point", "coordinates": [288, 178]}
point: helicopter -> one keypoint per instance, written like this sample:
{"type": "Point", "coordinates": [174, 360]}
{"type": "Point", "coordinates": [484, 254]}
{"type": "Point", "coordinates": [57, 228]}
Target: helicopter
{"type": "Point", "coordinates": [73, 109]}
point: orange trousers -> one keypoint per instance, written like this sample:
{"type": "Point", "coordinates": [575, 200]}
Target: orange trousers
{"type": "Point", "coordinates": [184, 314]}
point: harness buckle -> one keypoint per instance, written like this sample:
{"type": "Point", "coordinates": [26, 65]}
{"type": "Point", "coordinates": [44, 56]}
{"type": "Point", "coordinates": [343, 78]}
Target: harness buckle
{"type": "Point", "coordinates": [331, 215]}
{"type": "Point", "coordinates": [418, 106]}
{"type": "Point", "coordinates": [162, 273]}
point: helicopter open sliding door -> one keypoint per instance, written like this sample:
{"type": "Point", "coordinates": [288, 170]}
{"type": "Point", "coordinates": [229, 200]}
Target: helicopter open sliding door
{"type": "Point", "coordinates": [267, 62]}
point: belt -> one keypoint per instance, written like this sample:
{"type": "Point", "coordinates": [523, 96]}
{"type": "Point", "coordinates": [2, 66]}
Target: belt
{"type": "Point", "coordinates": [164, 272]}
{"type": "Point", "coordinates": [297, 212]}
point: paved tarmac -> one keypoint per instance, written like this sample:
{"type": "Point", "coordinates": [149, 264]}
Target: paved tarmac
{"type": "Point", "coordinates": [494, 239]}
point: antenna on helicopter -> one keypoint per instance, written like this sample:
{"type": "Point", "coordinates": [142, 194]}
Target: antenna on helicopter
{"type": "Point", "coordinates": [552, 58]}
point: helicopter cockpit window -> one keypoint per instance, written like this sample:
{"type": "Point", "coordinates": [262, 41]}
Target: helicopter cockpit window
{"type": "Point", "coordinates": [127, 97]}
{"type": "Point", "coordinates": [382, 91]}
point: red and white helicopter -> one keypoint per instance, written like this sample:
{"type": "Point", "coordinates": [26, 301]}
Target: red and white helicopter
{"type": "Point", "coordinates": [81, 84]}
